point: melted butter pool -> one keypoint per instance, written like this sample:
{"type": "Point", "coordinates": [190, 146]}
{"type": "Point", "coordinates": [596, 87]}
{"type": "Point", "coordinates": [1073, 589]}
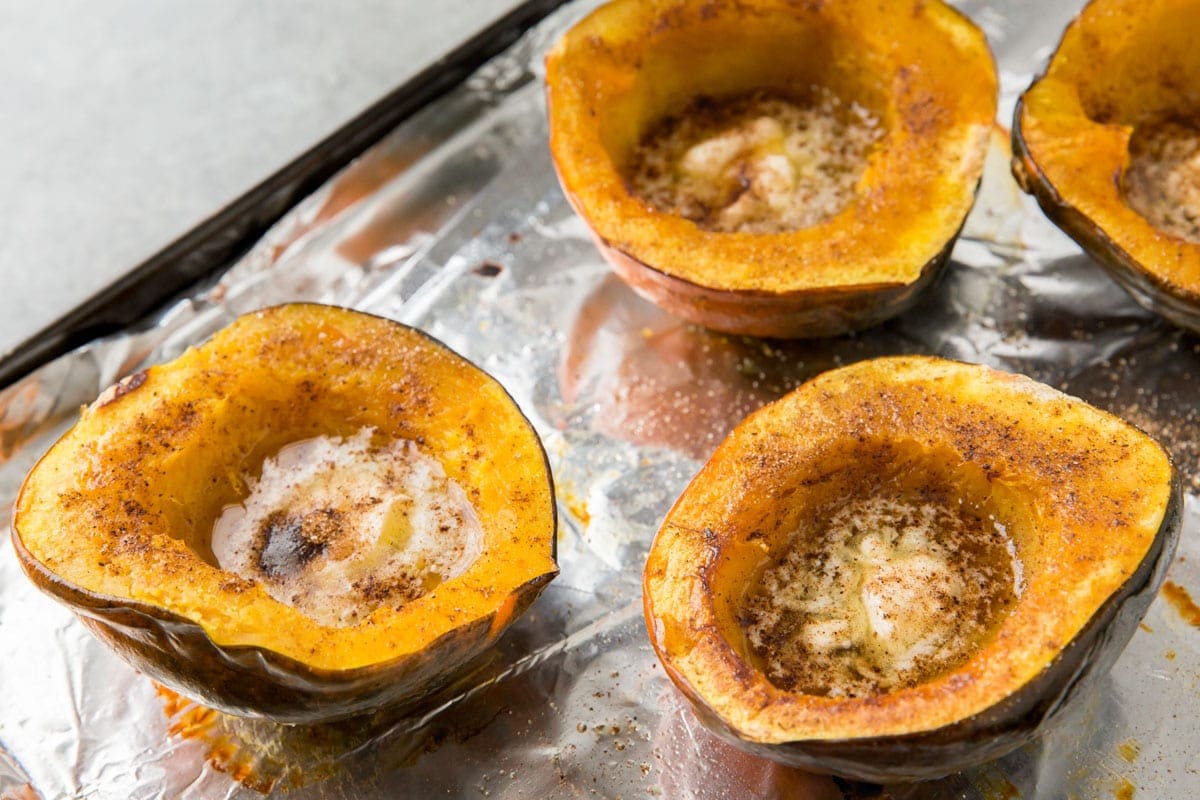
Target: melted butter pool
{"type": "Point", "coordinates": [339, 527]}
{"type": "Point", "coordinates": [889, 592]}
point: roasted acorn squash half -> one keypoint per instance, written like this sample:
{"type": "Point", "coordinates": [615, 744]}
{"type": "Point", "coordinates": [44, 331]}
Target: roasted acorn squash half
{"type": "Point", "coordinates": [117, 519]}
{"type": "Point", "coordinates": [975, 543]}
{"type": "Point", "coordinates": [918, 68]}
{"type": "Point", "coordinates": [1108, 141]}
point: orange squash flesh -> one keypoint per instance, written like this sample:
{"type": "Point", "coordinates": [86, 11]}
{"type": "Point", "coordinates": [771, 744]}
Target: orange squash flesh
{"type": "Point", "coordinates": [1121, 65]}
{"type": "Point", "coordinates": [116, 519]}
{"type": "Point", "coordinates": [1090, 503]}
{"type": "Point", "coordinates": [921, 68]}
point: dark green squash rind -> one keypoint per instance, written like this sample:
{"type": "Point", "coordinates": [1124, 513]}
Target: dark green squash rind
{"type": "Point", "coordinates": [816, 313]}
{"type": "Point", "coordinates": [252, 681]}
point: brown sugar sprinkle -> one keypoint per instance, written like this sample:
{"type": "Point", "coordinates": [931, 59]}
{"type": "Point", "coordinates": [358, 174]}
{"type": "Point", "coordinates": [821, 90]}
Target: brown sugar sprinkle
{"type": "Point", "coordinates": [881, 594]}
{"type": "Point", "coordinates": [401, 588]}
{"type": "Point", "coordinates": [488, 269]}
{"type": "Point", "coordinates": [755, 163]}
{"type": "Point", "coordinates": [286, 542]}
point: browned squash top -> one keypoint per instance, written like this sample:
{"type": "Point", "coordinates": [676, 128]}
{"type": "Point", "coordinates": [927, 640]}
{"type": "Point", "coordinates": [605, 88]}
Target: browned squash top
{"type": "Point", "coordinates": [315, 401]}
{"type": "Point", "coordinates": [858, 129]}
{"type": "Point", "coordinates": [895, 546]}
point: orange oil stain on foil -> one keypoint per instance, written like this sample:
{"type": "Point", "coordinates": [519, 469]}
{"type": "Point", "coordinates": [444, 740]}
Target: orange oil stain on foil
{"type": "Point", "coordinates": [190, 720]}
{"type": "Point", "coordinates": [1010, 793]}
{"type": "Point", "coordinates": [1001, 789]}
{"type": "Point", "coordinates": [224, 756]}
{"type": "Point", "coordinates": [1182, 602]}
{"type": "Point", "coordinates": [1129, 749]}
{"type": "Point", "coordinates": [578, 507]}
{"type": "Point", "coordinates": [576, 504]}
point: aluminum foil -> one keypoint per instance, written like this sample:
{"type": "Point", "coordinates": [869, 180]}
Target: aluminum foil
{"type": "Point", "coordinates": [455, 223]}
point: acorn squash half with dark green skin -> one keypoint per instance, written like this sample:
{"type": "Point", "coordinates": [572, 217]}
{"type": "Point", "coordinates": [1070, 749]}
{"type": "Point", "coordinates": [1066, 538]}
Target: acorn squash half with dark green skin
{"type": "Point", "coordinates": [919, 67]}
{"type": "Point", "coordinates": [1086, 133]}
{"type": "Point", "coordinates": [1089, 504]}
{"type": "Point", "coordinates": [116, 519]}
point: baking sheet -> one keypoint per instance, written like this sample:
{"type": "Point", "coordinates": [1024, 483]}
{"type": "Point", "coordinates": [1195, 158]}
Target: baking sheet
{"type": "Point", "coordinates": [455, 223]}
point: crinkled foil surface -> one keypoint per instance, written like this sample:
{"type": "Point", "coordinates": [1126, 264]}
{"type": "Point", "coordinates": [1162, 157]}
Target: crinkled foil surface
{"type": "Point", "coordinates": [455, 223]}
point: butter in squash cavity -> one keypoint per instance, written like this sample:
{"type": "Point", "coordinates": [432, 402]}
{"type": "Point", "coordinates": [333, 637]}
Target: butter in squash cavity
{"type": "Point", "coordinates": [884, 593]}
{"type": "Point", "coordinates": [757, 163]}
{"type": "Point", "coordinates": [338, 527]}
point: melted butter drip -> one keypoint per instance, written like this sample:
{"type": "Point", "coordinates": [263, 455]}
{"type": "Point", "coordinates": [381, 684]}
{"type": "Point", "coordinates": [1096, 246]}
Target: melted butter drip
{"type": "Point", "coordinates": [890, 593]}
{"type": "Point", "coordinates": [337, 528]}
{"type": "Point", "coordinates": [756, 164]}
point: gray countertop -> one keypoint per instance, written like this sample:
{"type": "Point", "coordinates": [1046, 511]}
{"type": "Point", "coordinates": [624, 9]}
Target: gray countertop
{"type": "Point", "coordinates": [125, 123]}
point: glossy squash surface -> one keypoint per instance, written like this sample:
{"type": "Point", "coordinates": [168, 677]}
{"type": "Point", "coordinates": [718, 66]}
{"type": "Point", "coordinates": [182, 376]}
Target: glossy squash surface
{"type": "Point", "coordinates": [1091, 505]}
{"type": "Point", "coordinates": [116, 519]}
{"type": "Point", "coordinates": [921, 68]}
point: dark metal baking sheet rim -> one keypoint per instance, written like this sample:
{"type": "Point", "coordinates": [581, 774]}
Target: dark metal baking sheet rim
{"type": "Point", "coordinates": [214, 244]}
